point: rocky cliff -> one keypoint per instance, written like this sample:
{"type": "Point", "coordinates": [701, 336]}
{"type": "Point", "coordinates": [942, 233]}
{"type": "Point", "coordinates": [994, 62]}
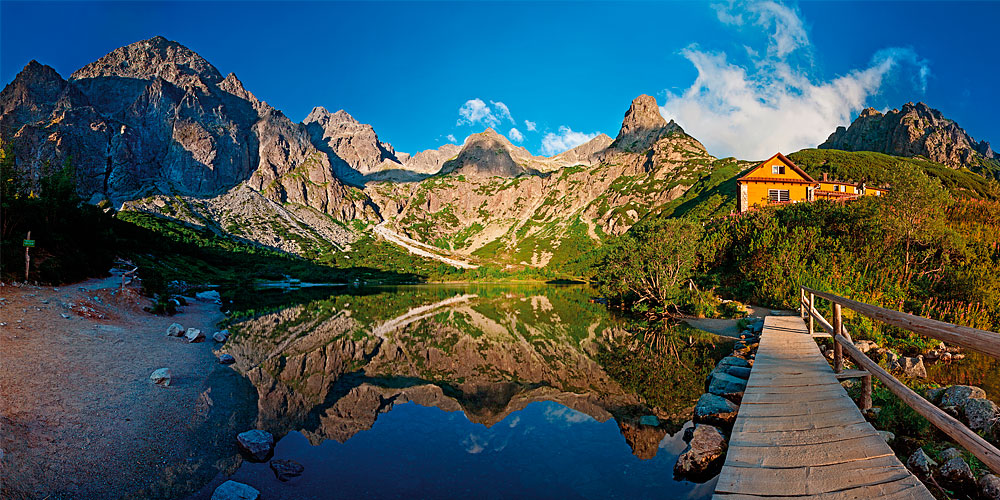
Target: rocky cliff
{"type": "Point", "coordinates": [913, 130]}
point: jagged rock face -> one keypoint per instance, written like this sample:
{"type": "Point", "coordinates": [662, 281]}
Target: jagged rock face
{"type": "Point", "coordinates": [353, 146]}
{"type": "Point", "coordinates": [154, 116]}
{"type": "Point", "coordinates": [642, 126]}
{"type": "Point", "coordinates": [914, 130]}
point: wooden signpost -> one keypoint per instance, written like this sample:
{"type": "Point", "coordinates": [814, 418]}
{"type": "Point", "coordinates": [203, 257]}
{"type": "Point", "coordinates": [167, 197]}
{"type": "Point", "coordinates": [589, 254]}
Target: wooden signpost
{"type": "Point", "coordinates": [28, 244]}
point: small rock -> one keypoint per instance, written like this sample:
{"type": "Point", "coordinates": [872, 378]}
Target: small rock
{"type": "Point", "coordinates": [989, 486]}
{"type": "Point", "coordinates": [949, 454]}
{"type": "Point", "coordinates": [981, 413]}
{"type": "Point", "coordinates": [920, 463]}
{"type": "Point", "coordinates": [941, 346]}
{"type": "Point", "coordinates": [957, 395]}
{"type": "Point", "coordinates": [957, 357]}
{"type": "Point", "coordinates": [256, 443]}
{"type": "Point", "coordinates": [175, 330]}
{"type": "Point", "coordinates": [161, 377]}
{"type": "Point", "coordinates": [649, 420]}
{"type": "Point", "coordinates": [64, 315]}
{"type": "Point", "coordinates": [887, 436]}
{"type": "Point", "coordinates": [934, 394]}
{"type": "Point", "coordinates": [194, 335]}
{"type": "Point", "coordinates": [226, 359]}
{"type": "Point", "coordinates": [733, 361]}
{"type": "Point", "coordinates": [715, 410]}
{"type": "Point", "coordinates": [956, 471]}
{"type": "Point", "coordinates": [865, 345]}
{"type": "Point", "coordinates": [209, 296]}
{"type": "Point", "coordinates": [725, 385]}
{"type": "Point", "coordinates": [707, 446]}
{"type": "Point", "coordinates": [286, 469]}
{"type": "Point", "coordinates": [947, 357]}
{"type": "Point", "coordinates": [221, 336]}
{"type": "Point", "coordinates": [911, 367]}
{"type": "Point", "coordinates": [231, 490]}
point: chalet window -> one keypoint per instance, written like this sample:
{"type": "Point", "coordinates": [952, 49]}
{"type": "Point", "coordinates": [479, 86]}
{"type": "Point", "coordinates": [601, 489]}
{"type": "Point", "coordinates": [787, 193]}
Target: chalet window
{"type": "Point", "coordinates": [836, 187]}
{"type": "Point", "coordinates": [777, 195]}
{"type": "Point", "coordinates": [778, 169]}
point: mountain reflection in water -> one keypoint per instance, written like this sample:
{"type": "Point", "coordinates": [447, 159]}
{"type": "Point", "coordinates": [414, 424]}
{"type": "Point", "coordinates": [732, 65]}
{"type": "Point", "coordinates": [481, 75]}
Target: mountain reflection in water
{"type": "Point", "coordinates": [525, 391]}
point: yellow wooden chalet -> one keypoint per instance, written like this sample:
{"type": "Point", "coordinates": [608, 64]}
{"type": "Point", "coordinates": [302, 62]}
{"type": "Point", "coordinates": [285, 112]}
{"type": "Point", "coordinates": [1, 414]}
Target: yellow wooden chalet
{"type": "Point", "coordinates": [776, 180]}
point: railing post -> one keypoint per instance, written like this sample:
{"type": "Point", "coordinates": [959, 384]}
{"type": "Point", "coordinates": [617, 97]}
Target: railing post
{"type": "Point", "coordinates": [838, 351]}
{"type": "Point", "coordinates": [866, 392]}
{"type": "Point", "coordinates": [812, 306]}
{"type": "Point", "coordinates": [802, 303]}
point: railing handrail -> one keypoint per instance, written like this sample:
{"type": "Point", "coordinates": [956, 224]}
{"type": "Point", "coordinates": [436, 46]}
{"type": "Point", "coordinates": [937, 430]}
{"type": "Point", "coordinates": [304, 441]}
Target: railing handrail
{"type": "Point", "coordinates": [983, 341]}
{"type": "Point", "coordinates": [981, 448]}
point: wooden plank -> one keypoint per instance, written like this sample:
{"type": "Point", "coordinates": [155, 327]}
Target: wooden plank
{"type": "Point", "coordinates": [796, 438]}
{"type": "Point", "coordinates": [804, 481]}
{"type": "Point", "coordinates": [806, 455]}
{"type": "Point", "coordinates": [902, 489]}
{"type": "Point", "coordinates": [761, 397]}
{"type": "Point", "coordinates": [846, 374]}
{"type": "Point", "coordinates": [797, 408]}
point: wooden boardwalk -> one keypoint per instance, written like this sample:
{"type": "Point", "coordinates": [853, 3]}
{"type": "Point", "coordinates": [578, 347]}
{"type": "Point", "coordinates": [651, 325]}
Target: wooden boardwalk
{"type": "Point", "coordinates": [799, 435]}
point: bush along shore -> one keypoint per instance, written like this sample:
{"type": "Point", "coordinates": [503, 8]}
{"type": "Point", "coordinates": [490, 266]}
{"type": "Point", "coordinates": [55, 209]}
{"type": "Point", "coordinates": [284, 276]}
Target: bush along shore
{"type": "Point", "coordinates": [716, 409]}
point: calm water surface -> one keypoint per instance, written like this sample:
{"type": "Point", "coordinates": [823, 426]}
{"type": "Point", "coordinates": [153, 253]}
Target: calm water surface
{"type": "Point", "coordinates": [471, 391]}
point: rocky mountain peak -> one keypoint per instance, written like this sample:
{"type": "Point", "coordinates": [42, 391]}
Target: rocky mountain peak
{"type": "Point", "coordinates": [487, 154]}
{"type": "Point", "coordinates": [354, 148]}
{"type": "Point", "coordinates": [32, 95]}
{"type": "Point", "coordinates": [913, 130]}
{"type": "Point", "coordinates": [157, 56]}
{"type": "Point", "coordinates": [642, 126]}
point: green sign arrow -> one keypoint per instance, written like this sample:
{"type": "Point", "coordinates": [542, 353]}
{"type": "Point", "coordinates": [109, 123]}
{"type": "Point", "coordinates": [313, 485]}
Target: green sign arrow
{"type": "Point", "coordinates": [29, 243]}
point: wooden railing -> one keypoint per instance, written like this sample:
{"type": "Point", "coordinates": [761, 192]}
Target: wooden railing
{"type": "Point", "coordinates": [970, 338]}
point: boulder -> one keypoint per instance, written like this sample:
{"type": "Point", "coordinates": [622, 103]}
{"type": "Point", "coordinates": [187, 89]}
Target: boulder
{"type": "Point", "coordinates": [257, 444]}
{"type": "Point", "coordinates": [956, 471]}
{"type": "Point", "coordinates": [934, 394]}
{"type": "Point", "coordinates": [286, 469]}
{"type": "Point", "coordinates": [231, 490]}
{"type": "Point", "coordinates": [733, 361]}
{"type": "Point", "coordinates": [865, 345]}
{"type": "Point", "coordinates": [703, 453]}
{"type": "Point", "coordinates": [981, 413]}
{"type": "Point", "coordinates": [920, 463]}
{"type": "Point", "coordinates": [989, 487]}
{"type": "Point", "coordinates": [911, 367]}
{"type": "Point", "coordinates": [161, 377]}
{"type": "Point", "coordinates": [209, 296]}
{"type": "Point", "coordinates": [175, 330]}
{"type": "Point", "coordinates": [194, 335]}
{"type": "Point", "coordinates": [715, 410]}
{"type": "Point", "coordinates": [226, 359]}
{"type": "Point", "coordinates": [725, 385]}
{"type": "Point", "coordinates": [949, 454]}
{"type": "Point", "coordinates": [738, 371]}
{"type": "Point", "coordinates": [957, 395]}
{"type": "Point", "coordinates": [887, 436]}
{"type": "Point", "coordinates": [221, 336]}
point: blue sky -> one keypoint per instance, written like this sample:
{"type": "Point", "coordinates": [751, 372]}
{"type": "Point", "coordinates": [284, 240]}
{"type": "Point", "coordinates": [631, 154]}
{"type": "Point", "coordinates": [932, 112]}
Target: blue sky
{"type": "Point", "coordinates": [746, 79]}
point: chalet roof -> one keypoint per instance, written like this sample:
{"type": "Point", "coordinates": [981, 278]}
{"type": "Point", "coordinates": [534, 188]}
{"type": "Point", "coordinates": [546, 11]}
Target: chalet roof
{"type": "Point", "coordinates": [784, 159]}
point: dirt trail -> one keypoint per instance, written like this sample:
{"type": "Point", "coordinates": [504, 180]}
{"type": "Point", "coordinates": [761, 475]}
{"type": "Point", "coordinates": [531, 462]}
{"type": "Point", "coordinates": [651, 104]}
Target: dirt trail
{"type": "Point", "coordinates": [80, 419]}
{"type": "Point", "coordinates": [413, 247]}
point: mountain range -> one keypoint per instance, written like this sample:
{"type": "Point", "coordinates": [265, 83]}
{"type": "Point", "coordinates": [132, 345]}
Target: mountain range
{"type": "Point", "coordinates": [154, 127]}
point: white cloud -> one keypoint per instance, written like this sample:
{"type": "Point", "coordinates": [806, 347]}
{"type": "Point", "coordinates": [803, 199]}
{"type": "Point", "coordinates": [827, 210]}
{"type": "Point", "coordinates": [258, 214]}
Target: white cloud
{"type": "Point", "coordinates": [530, 125]}
{"type": "Point", "coordinates": [515, 135]}
{"type": "Point", "coordinates": [451, 138]}
{"type": "Point", "coordinates": [772, 105]}
{"type": "Point", "coordinates": [565, 140]}
{"type": "Point", "coordinates": [788, 32]}
{"type": "Point", "coordinates": [477, 111]}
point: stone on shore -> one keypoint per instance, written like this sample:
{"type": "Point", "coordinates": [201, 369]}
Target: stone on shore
{"type": "Point", "coordinates": [209, 296]}
{"type": "Point", "coordinates": [221, 336]}
{"type": "Point", "coordinates": [226, 359]}
{"type": "Point", "coordinates": [705, 450]}
{"type": "Point", "coordinates": [989, 487]}
{"type": "Point", "coordinates": [981, 413]}
{"type": "Point", "coordinates": [865, 345]}
{"type": "Point", "coordinates": [949, 454]}
{"type": "Point", "coordinates": [957, 395]}
{"type": "Point", "coordinates": [175, 330]}
{"type": "Point", "coordinates": [194, 335]}
{"type": "Point", "coordinates": [286, 469]}
{"type": "Point", "coordinates": [920, 463]}
{"type": "Point", "coordinates": [726, 385]}
{"type": "Point", "coordinates": [257, 444]}
{"type": "Point", "coordinates": [715, 410]}
{"type": "Point", "coordinates": [231, 490]}
{"type": "Point", "coordinates": [887, 436]}
{"type": "Point", "coordinates": [161, 377]}
{"type": "Point", "coordinates": [911, 367]}
{"type": "Point", "coordinates": [733, 361]}
{"type": "Point", "coordinates": [956, 471]}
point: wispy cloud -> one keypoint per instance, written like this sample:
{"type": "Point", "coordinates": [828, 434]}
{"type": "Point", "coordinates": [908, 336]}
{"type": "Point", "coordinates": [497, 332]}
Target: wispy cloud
{"type": "Point", "coordinates": [555, 143]}
{"type": "Point", "coordinates": [476, 111]}
{"type": "Point", "coordinates": [530, 125]}
{"type": "Point", "coordinates": [771, 105]}
{"type": "Point", "coordinates": [451, 138]}
{"type": "Point", "coordinates": [515, 135]}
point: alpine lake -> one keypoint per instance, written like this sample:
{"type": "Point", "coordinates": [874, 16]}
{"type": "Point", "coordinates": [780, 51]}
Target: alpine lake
{"type": "Point", "coordinates": [467, 391]}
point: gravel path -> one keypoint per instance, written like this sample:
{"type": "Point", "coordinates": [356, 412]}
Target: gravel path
{"type": "Point", "coordinates": [80, 419]}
